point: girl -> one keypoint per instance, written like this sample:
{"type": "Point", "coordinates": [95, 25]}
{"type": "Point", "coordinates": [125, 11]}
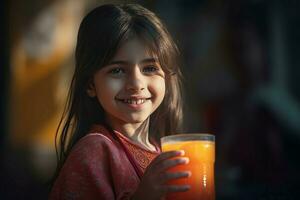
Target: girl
{"type": "Point", "coordinates": [125, 93]}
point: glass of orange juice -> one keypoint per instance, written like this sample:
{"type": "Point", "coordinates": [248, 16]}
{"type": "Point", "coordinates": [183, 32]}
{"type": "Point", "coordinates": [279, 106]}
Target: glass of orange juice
{"type": "Point", "coordinates": [200, 149]}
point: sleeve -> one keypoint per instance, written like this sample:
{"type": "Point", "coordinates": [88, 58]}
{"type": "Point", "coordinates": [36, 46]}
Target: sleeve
{"type": "Point", "coordinates": [86, 173]}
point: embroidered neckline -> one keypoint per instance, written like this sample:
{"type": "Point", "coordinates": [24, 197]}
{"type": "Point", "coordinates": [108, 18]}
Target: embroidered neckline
{"type": "Point", "coordinates": [120, 135]}
{"type": "Point", "coordinates": [140, 154]}
{"type": "Point", "coordinates": [100, 128]}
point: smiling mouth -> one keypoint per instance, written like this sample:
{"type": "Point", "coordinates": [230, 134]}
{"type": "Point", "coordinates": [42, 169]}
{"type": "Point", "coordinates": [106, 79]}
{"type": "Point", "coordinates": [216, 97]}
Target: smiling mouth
{"type": "Point", "coordinates": [134, 101]}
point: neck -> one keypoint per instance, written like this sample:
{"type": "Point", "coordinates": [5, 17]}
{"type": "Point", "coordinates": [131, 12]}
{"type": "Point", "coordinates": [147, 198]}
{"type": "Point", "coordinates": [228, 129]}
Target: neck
{"type": "Point", "coordinates": [137, 132]}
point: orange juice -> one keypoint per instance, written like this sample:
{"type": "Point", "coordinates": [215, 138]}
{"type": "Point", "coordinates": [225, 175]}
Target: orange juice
{"type": "Point", "coordinates": [201, 154]}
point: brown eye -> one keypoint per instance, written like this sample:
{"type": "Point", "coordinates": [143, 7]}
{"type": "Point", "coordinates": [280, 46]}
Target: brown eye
{"type": "Point", "coordinates": [150, 69]}
{"type": "Point", "coordinates": [116, 71]}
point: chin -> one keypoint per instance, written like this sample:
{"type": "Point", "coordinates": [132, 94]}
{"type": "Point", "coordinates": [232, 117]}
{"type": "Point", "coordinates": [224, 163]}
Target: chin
{"type": "Point", "coordinates": [135, 120]}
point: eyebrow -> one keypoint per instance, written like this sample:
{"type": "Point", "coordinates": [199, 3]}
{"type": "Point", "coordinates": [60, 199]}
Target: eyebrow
{"type": "Point", "coordinates": [124, 62]}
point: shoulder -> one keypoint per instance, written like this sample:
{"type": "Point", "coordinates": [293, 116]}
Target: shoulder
{"type": "Point", "coordinates": [94, 141]}
{"type": "Point", "coordinates": [86, 171]}
{"type": "Point", "coordinates": [96, 136]}
{"type": "Point", "coordinates": [96, 167]}
{"type": "Point", "coordinates": [94, 146]}
{"type": "Point", "coordinates": [94, 154]}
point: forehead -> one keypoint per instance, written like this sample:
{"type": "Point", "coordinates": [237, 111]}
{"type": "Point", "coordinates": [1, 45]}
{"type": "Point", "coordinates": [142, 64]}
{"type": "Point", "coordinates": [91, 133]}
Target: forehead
{"type": "Point", "coordinates": [134, 50]}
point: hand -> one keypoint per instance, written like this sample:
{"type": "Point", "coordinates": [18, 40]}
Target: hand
{"type": "Point", "coordinates": [153, 184]}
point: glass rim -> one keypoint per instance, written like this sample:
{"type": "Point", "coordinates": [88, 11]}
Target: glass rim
{"type": "Point", "coordinates": [188, 137]}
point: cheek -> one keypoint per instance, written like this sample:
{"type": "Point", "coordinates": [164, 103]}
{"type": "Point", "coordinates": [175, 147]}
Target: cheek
{"type": "Point", "coordinates": [108, 90]}
{"type": "Point", "coordinates": [114, 85]}
{"type": "Point", "coordinates": [159, 88]}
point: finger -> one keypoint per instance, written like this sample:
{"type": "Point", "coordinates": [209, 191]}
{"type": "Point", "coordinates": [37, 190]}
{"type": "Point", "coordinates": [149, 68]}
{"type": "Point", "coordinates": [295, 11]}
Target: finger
{"type": "Point", "coordinates": [175, 188]}
{"type": "Point", "coordinates": [166, 164]}
{"type": "Point", "coordinates": [177, 175]}
{"type": "Point", "coordinates": [166, 155]}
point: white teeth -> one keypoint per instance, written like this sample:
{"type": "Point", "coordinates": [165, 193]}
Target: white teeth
{"type": "Point", "coordinates": [136, 102]}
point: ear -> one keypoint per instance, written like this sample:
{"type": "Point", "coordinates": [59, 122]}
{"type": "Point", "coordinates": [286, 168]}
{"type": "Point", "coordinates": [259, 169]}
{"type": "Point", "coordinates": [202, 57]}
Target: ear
{"type": "Point", "coordinates": [91, 90]}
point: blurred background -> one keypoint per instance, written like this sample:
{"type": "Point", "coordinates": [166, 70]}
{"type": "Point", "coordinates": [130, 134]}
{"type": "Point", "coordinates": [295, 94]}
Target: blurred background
{"type": "Point", "coordinates": [241, 67]}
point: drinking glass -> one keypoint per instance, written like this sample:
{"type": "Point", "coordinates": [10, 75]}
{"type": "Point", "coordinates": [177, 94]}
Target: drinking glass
{"type": "Point", "coordinates": [200, 149]}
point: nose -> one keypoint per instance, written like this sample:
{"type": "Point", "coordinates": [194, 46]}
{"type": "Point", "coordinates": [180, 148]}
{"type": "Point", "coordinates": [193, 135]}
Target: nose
{"type": "Point", "coordinates": [135, 80]}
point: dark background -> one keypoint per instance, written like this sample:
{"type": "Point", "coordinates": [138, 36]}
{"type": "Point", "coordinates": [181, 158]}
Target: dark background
{"type": "Point", "coordinates": [241, 67]}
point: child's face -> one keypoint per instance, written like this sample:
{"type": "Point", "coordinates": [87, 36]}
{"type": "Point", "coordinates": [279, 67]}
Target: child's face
{"type": "Point", "coordinates": [131, 87]}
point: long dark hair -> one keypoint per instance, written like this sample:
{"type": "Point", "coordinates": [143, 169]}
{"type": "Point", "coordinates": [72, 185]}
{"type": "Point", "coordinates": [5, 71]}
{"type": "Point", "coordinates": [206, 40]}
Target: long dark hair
{"type": "Point", "coordinates": [101, 33]}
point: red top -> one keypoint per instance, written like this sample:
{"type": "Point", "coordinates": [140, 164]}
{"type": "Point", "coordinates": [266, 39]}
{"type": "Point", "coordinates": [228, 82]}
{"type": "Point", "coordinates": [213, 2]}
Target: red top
{"type": "Point", "coordinates": [98, 167]}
